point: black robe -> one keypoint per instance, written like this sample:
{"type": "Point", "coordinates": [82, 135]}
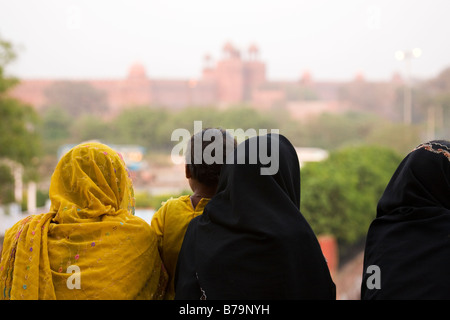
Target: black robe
{"type": "Point", "coordinates": [409, 240]}
{"type": "Point", "coordinates": [252, 242]}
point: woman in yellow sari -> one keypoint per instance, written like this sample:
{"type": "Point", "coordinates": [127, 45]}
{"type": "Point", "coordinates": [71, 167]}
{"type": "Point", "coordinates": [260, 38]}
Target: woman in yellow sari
{"type": "Point", "coordinates": [90, 245]}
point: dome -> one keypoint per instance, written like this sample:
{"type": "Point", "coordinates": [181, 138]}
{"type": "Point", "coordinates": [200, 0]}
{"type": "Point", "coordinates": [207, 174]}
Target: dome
{"type": "Point", "coordinates": [253, 48]}
{"type": "Point", "coordinates": [228, 47]}
{"type": "Point", "coordinates": [306, 77]}
{"type": "Point", "coordinates": [207, 57]}
{"type": "Point", "coordinates": [359, 77]}
{"type": "Point", "coordinates": [137, 71]}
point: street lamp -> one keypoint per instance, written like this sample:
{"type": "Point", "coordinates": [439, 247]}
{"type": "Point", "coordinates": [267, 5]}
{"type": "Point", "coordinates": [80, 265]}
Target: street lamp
{"type": "Point", "coordinates": [407, 56]}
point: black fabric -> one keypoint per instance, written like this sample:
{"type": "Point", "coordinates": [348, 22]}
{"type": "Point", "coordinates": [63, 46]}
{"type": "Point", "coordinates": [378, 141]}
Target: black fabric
{"type": "Point", "coordinates": [252, 242]}
{"type": "Point", "coordinates": [409, 240]}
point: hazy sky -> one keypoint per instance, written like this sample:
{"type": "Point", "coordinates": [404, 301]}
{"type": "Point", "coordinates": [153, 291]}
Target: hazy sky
{"type": "Point", "coordinates": [333, 39]}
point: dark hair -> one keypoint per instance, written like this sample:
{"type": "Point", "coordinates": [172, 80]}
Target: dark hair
{"type": "Point", "coordinates": [205, 173]}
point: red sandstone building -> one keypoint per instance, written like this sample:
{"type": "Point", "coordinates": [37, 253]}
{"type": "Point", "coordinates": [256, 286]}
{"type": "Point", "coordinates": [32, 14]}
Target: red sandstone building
{"type": "Point", "coordinates": [237, 77]}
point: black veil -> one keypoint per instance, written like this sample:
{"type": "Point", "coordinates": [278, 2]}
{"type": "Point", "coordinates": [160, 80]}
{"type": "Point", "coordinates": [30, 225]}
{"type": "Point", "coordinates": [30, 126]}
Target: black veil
{"type": "Point", "coordinates": [252, 242]}
{"type": "Point", "coordinates": [410, 238]}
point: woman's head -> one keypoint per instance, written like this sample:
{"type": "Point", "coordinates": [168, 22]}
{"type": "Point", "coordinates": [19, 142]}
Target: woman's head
{"type": "Point", "coordinates": [253, 156]}
{"type": "Point", "coordinates": [421, 180]}
{"type": "Point", "coordinates": [89, 181]}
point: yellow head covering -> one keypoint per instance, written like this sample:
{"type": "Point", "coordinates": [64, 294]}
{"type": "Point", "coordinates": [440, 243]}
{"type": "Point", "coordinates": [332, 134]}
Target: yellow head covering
{"type": "Point", "coordinates": [90, 245]}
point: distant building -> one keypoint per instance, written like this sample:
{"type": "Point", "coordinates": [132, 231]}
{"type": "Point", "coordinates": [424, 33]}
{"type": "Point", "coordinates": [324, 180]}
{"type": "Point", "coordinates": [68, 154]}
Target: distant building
{"type": "Point", "coordinates": [235, 78]}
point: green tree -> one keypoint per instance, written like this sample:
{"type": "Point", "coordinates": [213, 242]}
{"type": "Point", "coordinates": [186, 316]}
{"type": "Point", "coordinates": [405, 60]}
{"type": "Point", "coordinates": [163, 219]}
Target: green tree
{"type": "Point", "coordinates": [19, 136]}
{"type": "Point", "coordinates": [6, 185]}
{"type": "Point", "coordinates": [243, 117]}
{"type": "Point", "coordinates": [55, 129]}
{"type": "Point", "coordinates": [398, 136]}
{"type": "Point", "coordinates": [142, 126]}
{"type": "Point", "coordinates": [335, 131]}
{"type": "Point", "coordinates": [332, 131]}
{"type": "Point", "coordinates": [90, 127]}
{"type": "Point", "coordinates": [153, 127]}
{"type": "Point", "coordinates": [340, 194]}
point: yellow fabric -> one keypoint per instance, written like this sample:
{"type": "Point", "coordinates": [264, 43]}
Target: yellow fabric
{"type": "Point", "coordinates": [91, 229]}
{"type": "Point", "coordinates": [170, 223]}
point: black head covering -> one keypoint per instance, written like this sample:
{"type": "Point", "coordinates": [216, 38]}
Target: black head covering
{"type": "Point", "coordinates": [252, 242]}
{"type": "Point", "coordinates": [410, 238]}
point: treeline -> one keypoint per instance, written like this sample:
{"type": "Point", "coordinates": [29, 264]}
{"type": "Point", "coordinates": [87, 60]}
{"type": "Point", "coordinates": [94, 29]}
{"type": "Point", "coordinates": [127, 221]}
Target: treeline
{"type": "Point", "coordinates": [152, 127]}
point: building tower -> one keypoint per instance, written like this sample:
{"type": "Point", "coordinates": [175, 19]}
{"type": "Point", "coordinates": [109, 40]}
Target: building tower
{"type": "Point", "coordinates": [254, 72]}
{"type": "Point", "coordinates": [137, 87]}
{"type": "Point", "coordinates": [230, 76]}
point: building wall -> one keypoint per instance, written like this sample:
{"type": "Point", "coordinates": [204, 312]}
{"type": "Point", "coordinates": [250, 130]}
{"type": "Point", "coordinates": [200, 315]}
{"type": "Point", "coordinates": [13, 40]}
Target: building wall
{"type": "Point", "coordinates": [233, 79]}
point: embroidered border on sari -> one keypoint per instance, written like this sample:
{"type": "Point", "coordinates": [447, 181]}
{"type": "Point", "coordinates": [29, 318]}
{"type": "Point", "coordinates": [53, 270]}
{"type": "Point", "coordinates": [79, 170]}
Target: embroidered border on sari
{"type": "Point", "coordinates": [435, 147]}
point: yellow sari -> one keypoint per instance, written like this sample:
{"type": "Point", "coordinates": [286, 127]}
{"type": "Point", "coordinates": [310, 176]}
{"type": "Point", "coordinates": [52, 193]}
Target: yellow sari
{"type": "Point", "coordinates": [90, 245]}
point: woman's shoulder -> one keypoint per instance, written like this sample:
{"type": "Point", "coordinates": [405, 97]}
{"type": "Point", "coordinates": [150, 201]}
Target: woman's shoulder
{"type": "Point", "coordinates": [19, 225]}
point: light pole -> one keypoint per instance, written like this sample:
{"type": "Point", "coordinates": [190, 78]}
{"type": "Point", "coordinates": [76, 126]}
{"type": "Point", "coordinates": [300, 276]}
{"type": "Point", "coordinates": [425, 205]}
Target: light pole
{"type": "Point", "coordinates": [407, 56]}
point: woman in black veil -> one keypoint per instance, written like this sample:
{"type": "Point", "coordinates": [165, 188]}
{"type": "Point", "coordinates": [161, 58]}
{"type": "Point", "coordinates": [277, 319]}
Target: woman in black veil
{"type": "Point", "coordinates": [252, 242]}
{"type": "Point", "coordinates": [409, 241]}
